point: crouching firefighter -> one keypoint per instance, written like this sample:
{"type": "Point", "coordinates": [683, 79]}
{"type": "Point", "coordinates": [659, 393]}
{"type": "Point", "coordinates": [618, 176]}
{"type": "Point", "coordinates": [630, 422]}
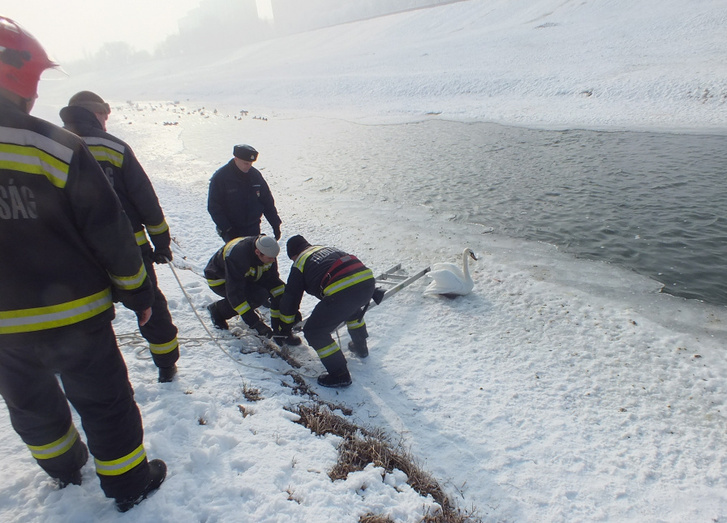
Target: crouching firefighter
{"type": "Point", "coordinates": [245, 274]}
{"type": "Point", "coordinates": [345, 287]}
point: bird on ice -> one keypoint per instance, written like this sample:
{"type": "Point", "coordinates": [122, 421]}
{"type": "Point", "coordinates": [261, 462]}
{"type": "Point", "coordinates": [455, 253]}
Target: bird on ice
{"type": "Point", "coordinates": [449, 280]}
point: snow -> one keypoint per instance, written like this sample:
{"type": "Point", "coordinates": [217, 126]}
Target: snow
{"type": "Point", "coordinates": [558, 390]}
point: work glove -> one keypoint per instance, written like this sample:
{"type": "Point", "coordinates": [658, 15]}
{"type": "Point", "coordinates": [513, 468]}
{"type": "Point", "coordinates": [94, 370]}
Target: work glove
{"type": "Point", "coordinates": [286, 329]}
{"type": "Point", "coordinates": [162, 255]}
{"type": "Point", "coordinates": [275, 324]}
{"type": "Point", "coordinates": [276, 232]}
{"type": "Point", "coordinates": [226, 235]}
{"type": "Point", "coordinates": [262, 329]}
{"type": "Point", "coordinates": [283, 330]}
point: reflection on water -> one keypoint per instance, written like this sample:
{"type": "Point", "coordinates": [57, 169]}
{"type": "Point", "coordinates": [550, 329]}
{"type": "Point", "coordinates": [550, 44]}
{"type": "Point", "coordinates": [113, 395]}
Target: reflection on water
{"type": "Point", "coordinates": [654, 203]}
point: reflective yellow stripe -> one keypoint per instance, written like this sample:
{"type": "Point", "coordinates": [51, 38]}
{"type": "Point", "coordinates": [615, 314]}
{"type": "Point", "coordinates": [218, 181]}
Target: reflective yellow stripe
{"type": "Point", "coordinates": [164, 348]}
{"type": "Point", "coordinates": [53, 316]}
{"type": "Point", "coordinates": [56, 448]}
{"type": "Point", "coordinates": [356, 324]}
{"type": "Point", "coordinates": [257, 272]}
{"type": "Point", "coordinates": [105, 150]}
{"type": "Point", "coordinates": [33, 153]}
{"type": "Point", "coordinates": [216, 283]}
{"type": "Point", "coordinates": [119, 466]}
{"type": "Point", "coordinates": [141, 238]}
{"type": "Point", "coordinates": [158, 229]}
{"type": "Point", "coordinates": [104, 154]}
{"type": "Point", "coordinates": [303, 256]}
{"type": "Point", "coordinates": [278, 291]}
{"type": "Point", "coordinates": [328, 351]}
{"type": "Point", "coordinates": [349, 281]}
{"type": "Point", "coordinates": [97, 140]}
{"type": "Point", "coordinates": [287, 319]}
{"type": "Point", "coordinates": [274, 313]}
{"type": "Point", "coordinates": [229, 246]}
{"type": "Point", "coordinates": [242, 308]}
{"type": "Point", "coordinates": [129, 283]}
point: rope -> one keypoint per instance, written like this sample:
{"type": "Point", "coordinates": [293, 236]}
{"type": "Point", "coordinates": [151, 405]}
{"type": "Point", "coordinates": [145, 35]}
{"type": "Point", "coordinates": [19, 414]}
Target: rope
{"type": "Point", "coordinates": [216, 341]}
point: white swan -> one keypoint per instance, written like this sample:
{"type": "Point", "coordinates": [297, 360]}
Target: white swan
{"type": "Point", "coordinates": [449, 280]}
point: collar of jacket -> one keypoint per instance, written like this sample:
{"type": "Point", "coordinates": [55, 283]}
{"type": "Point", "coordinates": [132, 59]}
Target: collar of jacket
{"type": "Point", "coordinates": [79, 116]}
{"type": "Point", "coordinates": [9, 105]}
{"type": "Point", "coordinates": [237, 170]}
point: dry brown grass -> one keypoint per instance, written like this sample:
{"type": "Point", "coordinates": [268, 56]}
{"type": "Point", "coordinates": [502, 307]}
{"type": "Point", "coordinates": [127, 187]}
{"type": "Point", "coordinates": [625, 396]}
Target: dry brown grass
{"type": "Point", "coordinates": [301, 388]}
{"type": "Point", "coordinates": [373, 518]}
{"type": "Point", "coordinates": [251, 393]}
{"type": "Point", "coordinates": [361, 447]}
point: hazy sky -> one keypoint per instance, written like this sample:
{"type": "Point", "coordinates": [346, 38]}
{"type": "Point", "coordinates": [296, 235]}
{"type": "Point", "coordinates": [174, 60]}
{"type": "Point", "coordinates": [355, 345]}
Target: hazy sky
{"type": "Point", "coordinates": [71, 29]}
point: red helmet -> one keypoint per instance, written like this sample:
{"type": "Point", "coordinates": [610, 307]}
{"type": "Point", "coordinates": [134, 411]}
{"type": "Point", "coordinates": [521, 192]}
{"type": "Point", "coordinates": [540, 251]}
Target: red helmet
{"type": "Point", "coordinates": [22, 60]}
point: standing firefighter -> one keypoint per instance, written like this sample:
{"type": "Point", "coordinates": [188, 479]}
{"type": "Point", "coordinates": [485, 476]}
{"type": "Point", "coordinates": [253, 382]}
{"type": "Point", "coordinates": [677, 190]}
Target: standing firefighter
{"type": "Point", "coordinates": [67, 247]}
{"type": "Point", "coordinates": [345, 286]}
{"type": "Point", "coordinates": [86, 116]}
{"type": "Point", "coordinates": [239, 196]}
{"type": "Point", "coordinates": [245, 273]}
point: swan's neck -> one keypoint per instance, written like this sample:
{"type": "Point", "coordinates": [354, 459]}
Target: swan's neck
{"type": "Point", "coordinates": [466, 265]}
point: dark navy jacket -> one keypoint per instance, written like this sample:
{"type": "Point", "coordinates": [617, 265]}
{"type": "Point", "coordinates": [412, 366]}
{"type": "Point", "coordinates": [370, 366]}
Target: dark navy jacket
{"type": "Point", "coordinates": [320, 271]}
{"type": "Point", "coordinates": [127, 176]}
{"type": "Point", "coordinates": [237, 201]}
{"type": "Point", "coordinates": [64, 239]}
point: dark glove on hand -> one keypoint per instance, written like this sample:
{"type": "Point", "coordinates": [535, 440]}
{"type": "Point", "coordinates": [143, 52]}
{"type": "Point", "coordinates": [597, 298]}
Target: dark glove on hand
{"type": "Point", "coordinates": [162, 256]}
{"type": "Point", "coordinates": [226, 235]}
{"type": "Point", "coordinates": [262, 329]}
{"type": "Point", "coordinates": [276, 232]}
{"type": "Point", "coordinates": [284, 330]}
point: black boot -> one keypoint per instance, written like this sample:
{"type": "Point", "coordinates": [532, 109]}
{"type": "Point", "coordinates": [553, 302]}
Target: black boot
{"type": "Point", "coordinates": [360, 349]}
{"type": "Point", "coordinates": [342, 379]}
{"type": "Point", "coordinates": [217, 319]}
{"type": "Point", "coordinates": [166, 374]}
{"type": "Point", "coordinates": [290, 339]}
{"type": "Point", "coordinates": [157, 473]}
{"type": "Point", "coordinates": [262, 329]}
{"type": "Point", "coordinates": [74, 478]}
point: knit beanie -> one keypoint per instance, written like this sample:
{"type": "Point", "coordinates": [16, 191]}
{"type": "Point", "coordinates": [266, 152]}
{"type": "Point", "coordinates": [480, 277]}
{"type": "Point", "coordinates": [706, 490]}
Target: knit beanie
{"type": "Point", "coordinates": [296, 245]}
{"type": "Point", "coordinates": [90, 101]}
{"type": "Point", "coordinates": [267, 246]}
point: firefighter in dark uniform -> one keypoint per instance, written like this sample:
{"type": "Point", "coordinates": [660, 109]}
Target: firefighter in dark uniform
{"type": "Point", "coordinates": [86, 116]}
{"type": "Point", "coordinates": [68, 252]}
{"type": "Point", "coordinates": [245, 273]}
{"type": "Point", "coordinates": [239, 196]}
{"type": "Point", "coordinates": [345, 287]}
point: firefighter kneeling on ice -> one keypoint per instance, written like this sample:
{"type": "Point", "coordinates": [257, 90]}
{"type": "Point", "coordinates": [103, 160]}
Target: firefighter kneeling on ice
{"type": "Point", "coordinates": [345, 287]}
{"type": "Point", "coordinates": [245, 273]}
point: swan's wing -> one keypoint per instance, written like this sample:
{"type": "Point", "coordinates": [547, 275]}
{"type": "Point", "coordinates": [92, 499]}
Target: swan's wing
{"type": "Point", "coordinates": [447, 282]}
{"type": "Point", "coordinates": [446, 267]}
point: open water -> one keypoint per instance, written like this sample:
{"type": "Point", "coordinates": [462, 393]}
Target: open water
{"type": "Point", "coordinates": [654, 203]}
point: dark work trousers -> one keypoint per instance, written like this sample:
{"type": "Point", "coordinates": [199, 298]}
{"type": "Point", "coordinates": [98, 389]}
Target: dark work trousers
{"type": "Point", "coordinates": [250, 230]}
{"type": "Point", "coordinates": [159, 331]}
{"type": "Point", "coordinates": [344, 306]}
{"type": "Point", "coordinates": [93, 374]}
